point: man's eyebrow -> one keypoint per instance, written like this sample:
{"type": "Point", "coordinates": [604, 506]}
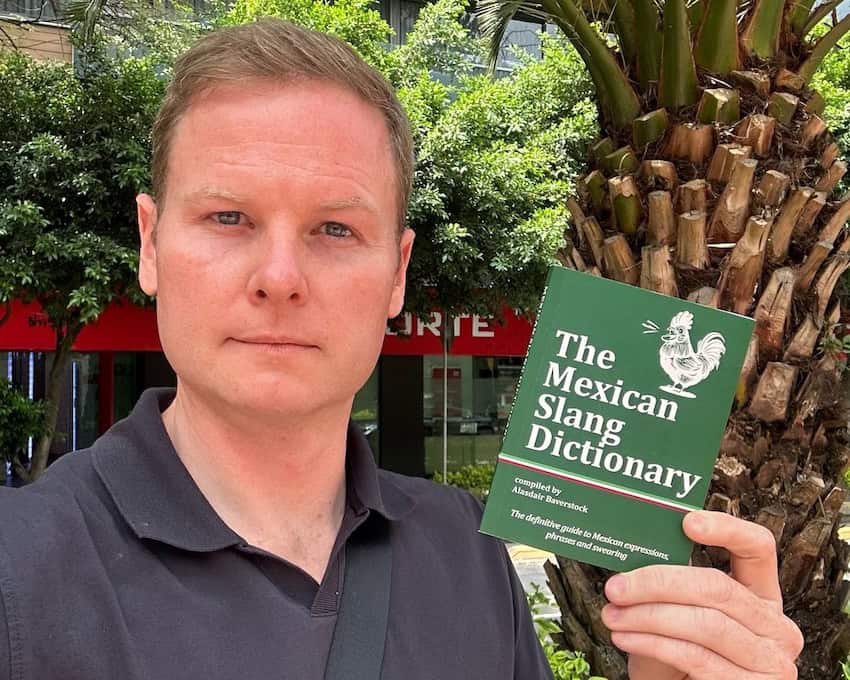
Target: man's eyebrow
{"type": "Point", "coordinates": [345, 203]}
{"type": "Point", "coordinates": [214, 192]}
{"type": "Point", "coordinates": [330, 204]}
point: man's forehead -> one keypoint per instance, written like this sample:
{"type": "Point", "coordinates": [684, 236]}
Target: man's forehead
{"type": "Point", "coordinates": [315, 119]}
{"type": "Point", "coordinates": [312, 97]}
{"type": "Point", "coordinates": [324, 130]}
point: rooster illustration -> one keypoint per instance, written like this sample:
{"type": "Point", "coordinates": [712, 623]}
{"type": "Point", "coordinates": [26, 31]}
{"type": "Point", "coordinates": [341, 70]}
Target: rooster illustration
{"type": "Point", "coordinates": [680, 362]}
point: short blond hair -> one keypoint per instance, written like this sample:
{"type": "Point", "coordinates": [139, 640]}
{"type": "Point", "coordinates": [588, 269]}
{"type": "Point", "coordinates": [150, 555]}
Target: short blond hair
{"type": "Point", "coordinates": [279, 51]}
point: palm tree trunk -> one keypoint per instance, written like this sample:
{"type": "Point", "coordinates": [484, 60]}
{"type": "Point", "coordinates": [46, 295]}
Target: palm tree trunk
{"type": "Point", "coordinates": [729, 206]}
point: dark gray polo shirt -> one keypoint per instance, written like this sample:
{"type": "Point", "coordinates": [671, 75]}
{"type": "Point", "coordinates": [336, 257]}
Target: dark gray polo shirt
{"type": "Point", "coordinates": [113, 566]}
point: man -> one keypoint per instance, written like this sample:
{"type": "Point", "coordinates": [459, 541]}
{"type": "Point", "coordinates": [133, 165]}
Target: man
{"type": "Point", "coordinates": [206, 536]}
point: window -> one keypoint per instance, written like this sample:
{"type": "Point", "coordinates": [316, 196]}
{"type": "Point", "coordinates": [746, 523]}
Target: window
{"type": "Point", "coordinates": [401, 15]}
{"type": "Point", "coordinates": [522, 35]}
{"type": "Point", "coordinates": [43, 10]}
{"type": "Point", "coordinates": [82, 403]}
{"type": "Point", "coordinates": [364, 412]}
{"type": "Point", "coordinates": [479, 394]}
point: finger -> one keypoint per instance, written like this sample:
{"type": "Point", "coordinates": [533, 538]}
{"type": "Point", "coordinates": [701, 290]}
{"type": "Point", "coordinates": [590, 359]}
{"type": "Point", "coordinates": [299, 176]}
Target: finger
{"type": "Point", "coordinates": [752, 549]}
{"type": "Point", "coordinates": [697, 663]}
{"type": "Point", "coordinates": [699, 587]}
{"type": "Point", "coordinates": [702, 626]}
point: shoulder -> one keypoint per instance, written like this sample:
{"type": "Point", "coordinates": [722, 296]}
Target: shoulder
{"type": "Point", "coordinates": [447, 520]}
{"type": "Point", "coordinates": [455, 507]}
{"type": "Point", "coordinates": [46, 543]}
{"type": "Point", "coordinates": [49, 515]}
{"type": "Point", "coordinates": [440, 537]}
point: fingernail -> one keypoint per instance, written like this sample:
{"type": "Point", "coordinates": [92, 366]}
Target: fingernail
{"type": "Point", "coordinates": [616, 586]}
{"type": "Point", "coordinates": [697, 522]}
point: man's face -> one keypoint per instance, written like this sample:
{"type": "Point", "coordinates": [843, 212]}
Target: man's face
{"type": "Point", "coordinates": [276, 260]}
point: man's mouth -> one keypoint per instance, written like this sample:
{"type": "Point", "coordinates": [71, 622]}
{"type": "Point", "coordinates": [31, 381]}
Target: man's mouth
{"type": "Point", "coordinates": [276, 342]}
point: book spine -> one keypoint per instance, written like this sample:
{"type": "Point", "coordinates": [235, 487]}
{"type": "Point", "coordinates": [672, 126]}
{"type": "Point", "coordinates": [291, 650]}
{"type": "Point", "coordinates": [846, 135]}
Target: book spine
{"type": "Point", "coordinates": [525, 361]}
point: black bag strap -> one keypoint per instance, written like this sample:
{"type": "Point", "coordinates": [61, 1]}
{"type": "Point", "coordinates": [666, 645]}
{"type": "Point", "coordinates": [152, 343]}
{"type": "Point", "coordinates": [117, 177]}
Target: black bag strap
{"type": "Point", "coordinates": [357, 648]}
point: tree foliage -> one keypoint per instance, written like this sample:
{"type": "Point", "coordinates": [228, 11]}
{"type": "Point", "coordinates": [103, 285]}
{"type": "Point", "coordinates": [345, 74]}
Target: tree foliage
{"type": "Point", "coordinates": [832, 80]}
{"type": "Point", "coordinates": [496, 162]}
{"type": "Point", "coordinates": [440, 47]}
{"type": "Point", "coordinates": [74, 152]}
{"type": "Point", "coordinates": [357, 22]}
{"type": "Point", "coordinates": [20, 419]}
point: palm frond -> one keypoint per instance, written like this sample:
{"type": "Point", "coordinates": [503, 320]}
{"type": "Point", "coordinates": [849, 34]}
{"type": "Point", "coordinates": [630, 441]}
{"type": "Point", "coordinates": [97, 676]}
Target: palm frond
{"type": "Point", "coordinates": [818, 15]}
{"type": "Point", "coordinates": [494, 16]}
{"type": "Point", "coordinates": [716, 45]}
{"type": "Point", "coordinates": [613, 87]}
{"type": "Point", "coordinates": [744, 9]}
{"type": "Point", "coordinates": [822, 48]}
{"type": "Point", "coordinates": [761, 34]}
{"type": "Point", "coordinates": [623, 14]}
{"type": "Point", "coordinates": [649, 56]}
{"type": "Point", "coordinates": [696, 11]}
{"type": "Point", "coordinates": [84, 16]}
{"type": "Point", "coordinates": [677, 85]}
{"type": "Point", "coordinates": [797, 15]}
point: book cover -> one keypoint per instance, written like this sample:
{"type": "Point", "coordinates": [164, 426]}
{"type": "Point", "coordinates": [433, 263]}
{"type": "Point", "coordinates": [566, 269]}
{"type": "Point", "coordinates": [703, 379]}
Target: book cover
{"type": "Point", "coordinates": [616, 424]}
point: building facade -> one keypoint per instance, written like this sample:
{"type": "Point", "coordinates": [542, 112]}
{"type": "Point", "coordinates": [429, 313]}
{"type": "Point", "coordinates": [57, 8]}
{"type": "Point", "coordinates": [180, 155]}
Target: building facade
{"type": "Point", "coordinates": [35, 28]}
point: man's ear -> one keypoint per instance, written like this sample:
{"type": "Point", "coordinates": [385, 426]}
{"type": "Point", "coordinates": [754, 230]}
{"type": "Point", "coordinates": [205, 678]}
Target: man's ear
{"type": "Point", "coordinates": [147, 214]}
{"type": "Point", "coordinates": [397, 297]}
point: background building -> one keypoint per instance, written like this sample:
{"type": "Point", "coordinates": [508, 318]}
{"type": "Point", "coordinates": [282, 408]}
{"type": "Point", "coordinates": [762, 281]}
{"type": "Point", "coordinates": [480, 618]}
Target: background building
{"type": "Point", "coordinates": [35, 27]}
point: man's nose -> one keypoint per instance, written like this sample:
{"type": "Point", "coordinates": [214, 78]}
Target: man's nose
{"type": "Point", "coordinates": [278, 274]}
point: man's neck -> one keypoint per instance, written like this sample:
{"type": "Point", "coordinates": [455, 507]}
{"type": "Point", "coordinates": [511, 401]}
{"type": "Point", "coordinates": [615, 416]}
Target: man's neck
{"type": "Point", "coordinates": [280, 487]}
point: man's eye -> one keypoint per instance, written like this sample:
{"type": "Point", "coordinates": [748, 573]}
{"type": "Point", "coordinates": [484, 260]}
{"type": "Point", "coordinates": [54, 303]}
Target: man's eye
{"type": "Point", "coordinates": [337, 230]}
{"type": "Point", "coordinates": [230, 217]}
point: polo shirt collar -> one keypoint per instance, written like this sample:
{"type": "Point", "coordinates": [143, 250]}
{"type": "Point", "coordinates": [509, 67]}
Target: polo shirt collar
{"type": "Point", "coordinates": [158, 498]}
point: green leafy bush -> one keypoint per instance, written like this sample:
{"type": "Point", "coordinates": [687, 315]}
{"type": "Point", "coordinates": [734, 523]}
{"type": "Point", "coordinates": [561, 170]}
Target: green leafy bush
{"type": "Point", "coordinates": [835, 343]}
{"type": "Point", "coordinates": [20, 419]}
{"type": "Point", "coordinates": [565, 665]}
{"type": "Point", "coordinates": [474, 478]}
{"type": "Point", "coordinates": [832, 81]}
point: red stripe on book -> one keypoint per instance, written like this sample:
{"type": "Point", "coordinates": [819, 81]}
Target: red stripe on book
{"type": "Point", "coordinates": [591, 485]}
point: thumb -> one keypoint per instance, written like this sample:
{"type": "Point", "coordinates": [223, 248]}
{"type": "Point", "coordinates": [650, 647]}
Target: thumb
{"type": "Point", "coordinates": [645, 668]}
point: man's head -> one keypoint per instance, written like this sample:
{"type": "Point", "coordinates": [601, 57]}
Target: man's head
{"type": "Point", "coordinates": [278, 252]}
{"type": "Point", "coordinates": [279, 52]}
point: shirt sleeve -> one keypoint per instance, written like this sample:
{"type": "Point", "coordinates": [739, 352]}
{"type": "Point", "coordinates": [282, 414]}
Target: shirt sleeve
{"type": "Point", "coordinates": [530, 662]}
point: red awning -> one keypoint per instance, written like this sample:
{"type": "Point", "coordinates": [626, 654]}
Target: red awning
{"type": "Point", "coordinates": [121, 328]}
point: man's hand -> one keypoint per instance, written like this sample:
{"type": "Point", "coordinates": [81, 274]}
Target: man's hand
{"type": "Point", "coordinates": [691, 623]}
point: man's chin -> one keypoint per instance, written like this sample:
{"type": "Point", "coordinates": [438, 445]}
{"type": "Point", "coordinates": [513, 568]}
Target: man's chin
{"type": "Point", "coordinates": [284, 400]}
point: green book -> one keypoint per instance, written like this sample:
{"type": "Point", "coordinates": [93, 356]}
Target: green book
{"type": "Point", "coordinates": [616, 423]}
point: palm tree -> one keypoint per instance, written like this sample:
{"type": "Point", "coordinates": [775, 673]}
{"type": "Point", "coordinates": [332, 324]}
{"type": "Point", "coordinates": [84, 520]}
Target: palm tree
{"type": "Point", "coordinates": [714, 181]}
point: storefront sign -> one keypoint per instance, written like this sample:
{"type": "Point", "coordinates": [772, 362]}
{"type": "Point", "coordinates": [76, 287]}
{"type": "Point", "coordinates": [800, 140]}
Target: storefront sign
{"type": "Point", "coordinates": [473, 335]}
